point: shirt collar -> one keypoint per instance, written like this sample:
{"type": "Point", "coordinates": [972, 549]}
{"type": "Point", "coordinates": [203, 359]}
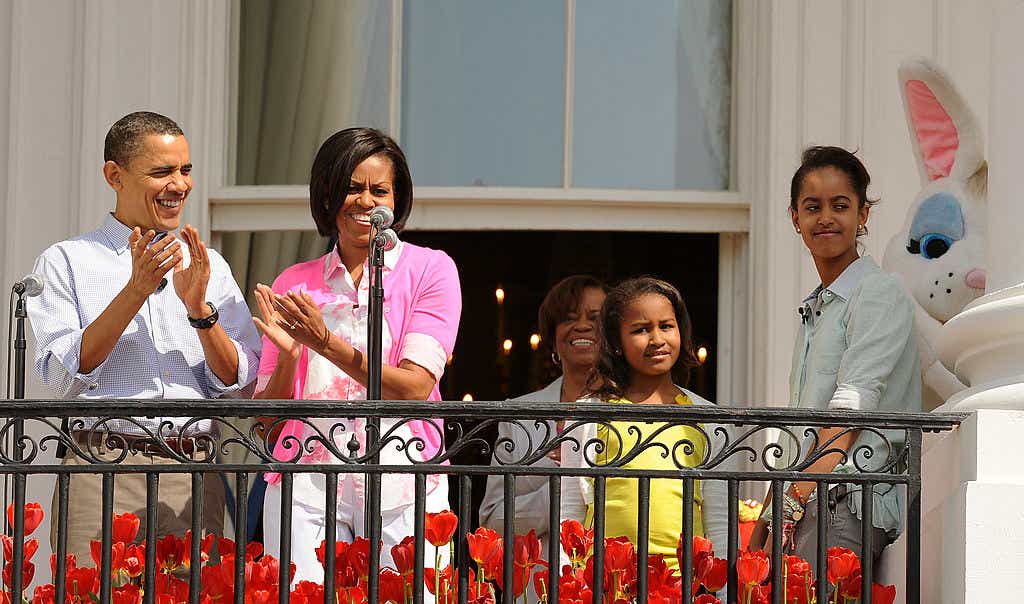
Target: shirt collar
{"type": "Point", "coordinates": [334, 263]}
{"type": "Point", "coordinates": [846, 282]}
{"type": "Point", "coordinates": [117, 233]}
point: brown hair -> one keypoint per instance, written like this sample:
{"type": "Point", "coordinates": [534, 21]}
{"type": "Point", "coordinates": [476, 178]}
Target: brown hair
{"type": "Point", "coordinates": [563, 298]}
{"type": "Point", "coordinates": [612, 376]}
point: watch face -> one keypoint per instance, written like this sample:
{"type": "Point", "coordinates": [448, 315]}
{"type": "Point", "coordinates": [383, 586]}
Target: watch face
{"type": "Point", "coordinates": [797, 515]}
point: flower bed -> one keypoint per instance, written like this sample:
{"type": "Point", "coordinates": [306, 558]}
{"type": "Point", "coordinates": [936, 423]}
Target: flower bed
{"type": "Point", "coordinates": [486, 549]}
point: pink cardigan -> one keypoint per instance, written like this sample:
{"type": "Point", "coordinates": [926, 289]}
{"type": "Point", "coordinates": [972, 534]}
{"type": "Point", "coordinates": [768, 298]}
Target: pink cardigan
{"type": "Point", "coordinates": [421, 295]}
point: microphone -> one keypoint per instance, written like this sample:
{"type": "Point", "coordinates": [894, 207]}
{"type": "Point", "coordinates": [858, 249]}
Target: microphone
{"type": "Point", "coordinates": [382, 217]}
{"type": "Point", "coordinates": [31, 285]}
{"type": "Point", "coordinates": [386, 239]}
{"type": "Point", "coordinates": [805, 314]}
{"type": "Point", "coordinates": [160, 288]}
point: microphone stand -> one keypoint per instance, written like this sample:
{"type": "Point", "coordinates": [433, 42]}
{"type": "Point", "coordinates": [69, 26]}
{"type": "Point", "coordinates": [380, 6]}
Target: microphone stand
{"type": "Point", "coordinates": [20, 345]}
{"type": "Point", "coordinates": [375, 325]}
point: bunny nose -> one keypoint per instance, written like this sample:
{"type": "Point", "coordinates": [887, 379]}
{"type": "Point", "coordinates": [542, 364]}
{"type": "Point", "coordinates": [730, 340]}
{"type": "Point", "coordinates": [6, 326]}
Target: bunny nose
{"type": "Point", "coordinates": [975, 278]}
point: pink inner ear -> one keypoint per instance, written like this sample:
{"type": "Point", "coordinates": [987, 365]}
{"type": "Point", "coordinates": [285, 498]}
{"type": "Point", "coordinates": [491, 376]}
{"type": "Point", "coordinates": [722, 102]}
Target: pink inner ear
{"type": "Point", "coordinates": [935, 130]}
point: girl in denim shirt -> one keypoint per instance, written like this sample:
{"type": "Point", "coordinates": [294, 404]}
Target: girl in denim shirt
{"type": "Point", "coordinates": [855, 349]}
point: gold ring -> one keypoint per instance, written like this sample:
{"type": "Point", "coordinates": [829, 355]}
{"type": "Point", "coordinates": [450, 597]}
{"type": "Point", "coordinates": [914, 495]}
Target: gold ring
{"type": "Point", "coordinates": [292, 324]}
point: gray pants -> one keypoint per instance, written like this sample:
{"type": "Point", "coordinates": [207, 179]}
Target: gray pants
{"type": "Point", "coordinates": [844, 530]}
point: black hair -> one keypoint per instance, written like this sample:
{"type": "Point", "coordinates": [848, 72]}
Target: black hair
{"type": "Point", "coordinates": [816, 158]}
{"type": "Point", "coordinates": [331, 175]}
{"type": "Point", "coordinates": [562, 299]}
{"type": "Point", "coordinates": [125, 138]}
{"type": "Point", "coordinates": [611, 377]}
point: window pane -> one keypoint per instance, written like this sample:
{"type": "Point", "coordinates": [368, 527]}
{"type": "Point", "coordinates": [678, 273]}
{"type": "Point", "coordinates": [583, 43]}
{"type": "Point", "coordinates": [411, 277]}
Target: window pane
{"type": "Point", "coordinates": [651, 94]}
{"type": "Point", "coordinates": [483, 92]}
{"type": "Point", "coordinates": [306, 70]}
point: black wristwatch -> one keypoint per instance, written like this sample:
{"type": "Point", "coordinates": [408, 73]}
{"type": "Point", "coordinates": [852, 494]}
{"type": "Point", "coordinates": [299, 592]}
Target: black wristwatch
{"type": "Point", "coordinates": [206, 322]}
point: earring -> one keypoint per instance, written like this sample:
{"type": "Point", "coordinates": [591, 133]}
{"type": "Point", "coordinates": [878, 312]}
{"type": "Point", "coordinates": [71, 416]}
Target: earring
{"type": "Point", "coordinates": [861, 230]}
{"type": "Point", "coordinates": [797, 229]}
{"type": "Point", "coordinates": [555, 359]}
{"type": "Point", "coordinates": [617, 352]}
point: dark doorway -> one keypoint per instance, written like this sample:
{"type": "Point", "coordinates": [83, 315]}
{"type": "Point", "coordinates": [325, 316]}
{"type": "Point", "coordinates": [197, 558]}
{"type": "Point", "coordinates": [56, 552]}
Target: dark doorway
{"type": "Point", "coordinates": [524, 264]}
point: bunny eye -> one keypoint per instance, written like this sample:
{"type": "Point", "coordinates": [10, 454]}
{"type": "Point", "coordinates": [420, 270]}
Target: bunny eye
{"type": "Point", "coordinates": [931, 246]}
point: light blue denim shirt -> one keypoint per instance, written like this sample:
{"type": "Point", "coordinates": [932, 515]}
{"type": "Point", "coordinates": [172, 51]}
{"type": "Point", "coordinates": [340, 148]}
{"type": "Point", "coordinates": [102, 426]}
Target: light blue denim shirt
{"type": "Point", "coordinates": [856, 349]}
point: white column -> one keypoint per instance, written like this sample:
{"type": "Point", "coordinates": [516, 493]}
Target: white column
{"type": "Point", "coordinates": [1006, 132]}
{"type": "Point", "coordinates": [984, 344]}
{"type": "Point", "coordinates": [972, 477]}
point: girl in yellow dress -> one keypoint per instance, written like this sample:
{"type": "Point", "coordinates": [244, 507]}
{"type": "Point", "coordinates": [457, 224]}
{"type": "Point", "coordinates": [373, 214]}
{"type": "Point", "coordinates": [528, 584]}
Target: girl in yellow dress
{"type": "Point", "coordinates": [646, 336]}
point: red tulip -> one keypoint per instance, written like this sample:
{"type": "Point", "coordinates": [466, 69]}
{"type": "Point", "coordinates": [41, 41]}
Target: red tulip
{"type": "Point", "coordinates": [204, 548]}
{"type": "Point", "coordinates": [841, 564]}
{"type": "Point", "coordinates": [799, 589]}
{"type": "Point", "coordinates": [29, 549]}
{"type": "Point", "coordinates": [404, 555]}
{"type": "Point", "coordinates": [440, 527]}
{"type": "Point", "coordinates": [126, 527]}
{"type": "Point", "coordinates": [28, 570]}
{"type": "Point", "coordinates": [526, 549]}
{"type": "Point", "coordinates": [755, 594]}
{"type": "Point", "coordinates": [540, 584]}
{"type": "Point", "coordinates": [706, 599]}
{"type": "Point", "coordinates": [392, 587]}
{"type": "Point", "coordinates": [431, 578]}
{"type": "Point", "coordinates": [702, 548]}
{"type": "Point", "coordinates": [126, 594]}
{"type": "Point", "coordinates": [358, 555]}
{"type": "Point", "coordinates": [33, 516]}
{"type": "Point", "coordinates": [44, 594]}
{"type": "Point", "coordinates": [83, 581]}
{"type": "Point", "coordinates": [170, 553]}
{"type": "Point", "coordinates": [619, 554]}
{"type": "Point", "coordinates": [307, 592]}
{"type": "Point", "coordinates": [795, 565]}
{"type": "Point", "coordinates": [576, 541]}
{"type": "Point", "coordinates": [481, 542]}
{"type": "Point", "coordinates": [134, 561]}
{"type": "Point", "coordinates": [219, 581]}
{"type": "Point", "coordinates": [714, 573]}
{"type": "Point", "coordinates": [850, 586]}
{"type": "Point", "coordinates": [340, 553]}
{"type": "Point", "coordinates": [752, 568]}
{"type": "Point", "coordinates": [883, 594]}
{"type": "Point", "coordinates": [71, 562]}
{"type": "Point", "coordinates": [253, 549]}
{"type": "Point", "coordinates": [260, 596]}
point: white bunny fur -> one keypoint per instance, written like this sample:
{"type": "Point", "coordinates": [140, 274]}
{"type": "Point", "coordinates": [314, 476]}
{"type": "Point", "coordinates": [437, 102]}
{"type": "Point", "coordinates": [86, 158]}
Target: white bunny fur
{"type": "Point", "coordinates": [939, 285]}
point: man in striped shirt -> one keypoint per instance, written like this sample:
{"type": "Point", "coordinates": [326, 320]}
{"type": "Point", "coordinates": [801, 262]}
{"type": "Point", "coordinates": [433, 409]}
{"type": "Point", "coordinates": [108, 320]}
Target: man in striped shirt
{"type": "Point", "coordinates": [133, 310]}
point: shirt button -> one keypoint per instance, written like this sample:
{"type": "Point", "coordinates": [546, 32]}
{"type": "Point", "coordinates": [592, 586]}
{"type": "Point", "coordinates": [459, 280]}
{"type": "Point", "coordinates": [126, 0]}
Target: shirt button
{"type": "Point", "coordinates": [92, 386]}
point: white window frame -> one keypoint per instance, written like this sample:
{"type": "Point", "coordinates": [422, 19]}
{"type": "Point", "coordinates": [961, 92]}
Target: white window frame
{"type": "Point", "coordinates": [233, 208]}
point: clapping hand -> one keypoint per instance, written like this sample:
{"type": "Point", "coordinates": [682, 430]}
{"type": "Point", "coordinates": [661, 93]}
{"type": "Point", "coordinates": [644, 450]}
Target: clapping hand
{"type": "Point", "coordinates": [190, 283]}
{"type": "Point", "coordinates": [151, 262]}
{"type": "Point", "coordinates": [290, 321]}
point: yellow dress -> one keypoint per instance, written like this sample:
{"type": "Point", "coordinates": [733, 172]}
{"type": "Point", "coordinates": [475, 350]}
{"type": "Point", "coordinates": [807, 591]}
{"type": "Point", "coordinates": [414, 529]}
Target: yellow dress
{"type": "Point", "coordinates": [666, 508]}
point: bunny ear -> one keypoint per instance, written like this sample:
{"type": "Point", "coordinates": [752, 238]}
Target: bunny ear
{"type": "Point", "coordinates": [944, 131]}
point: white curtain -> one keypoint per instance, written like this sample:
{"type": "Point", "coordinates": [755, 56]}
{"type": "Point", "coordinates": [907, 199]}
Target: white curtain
{"type": "Point", "coordinates": [307, 68]}
{"type": "Point", "coordinates": [706, 37]}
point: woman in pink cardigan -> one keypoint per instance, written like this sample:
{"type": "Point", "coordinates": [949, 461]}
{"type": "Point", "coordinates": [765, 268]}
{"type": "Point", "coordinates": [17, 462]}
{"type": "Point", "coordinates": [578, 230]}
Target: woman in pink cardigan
{"type": "Point", "coordinates": [314, 324]}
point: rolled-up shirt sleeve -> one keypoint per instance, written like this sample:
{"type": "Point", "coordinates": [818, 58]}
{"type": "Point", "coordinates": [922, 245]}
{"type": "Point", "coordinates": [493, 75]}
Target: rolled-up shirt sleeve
{"type": "Point", "coordinates": [58, 329]}
{"type": "Point", "coordinates": [879, 327]}
{"type": "Point", "coordinates": [237, 322]}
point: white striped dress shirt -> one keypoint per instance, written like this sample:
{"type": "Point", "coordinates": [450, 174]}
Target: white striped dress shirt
{"type": "Point", "coordinates": [159, 355]}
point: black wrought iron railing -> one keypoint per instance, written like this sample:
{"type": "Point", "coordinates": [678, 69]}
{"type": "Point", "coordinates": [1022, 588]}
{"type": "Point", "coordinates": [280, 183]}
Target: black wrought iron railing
{"type": "Point", "coordinates": [199, 437]}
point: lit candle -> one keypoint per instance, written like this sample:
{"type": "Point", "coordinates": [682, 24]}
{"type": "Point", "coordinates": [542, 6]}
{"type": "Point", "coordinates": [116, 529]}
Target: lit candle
{"type": "Point", "coordinates": [467, 397]}
{"type": "Point", "coordinates": [534, 341]}
{"type": "Point", "coordinates": [702, 355]}
{"type": "Point", "coordinates": [507, 346]}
